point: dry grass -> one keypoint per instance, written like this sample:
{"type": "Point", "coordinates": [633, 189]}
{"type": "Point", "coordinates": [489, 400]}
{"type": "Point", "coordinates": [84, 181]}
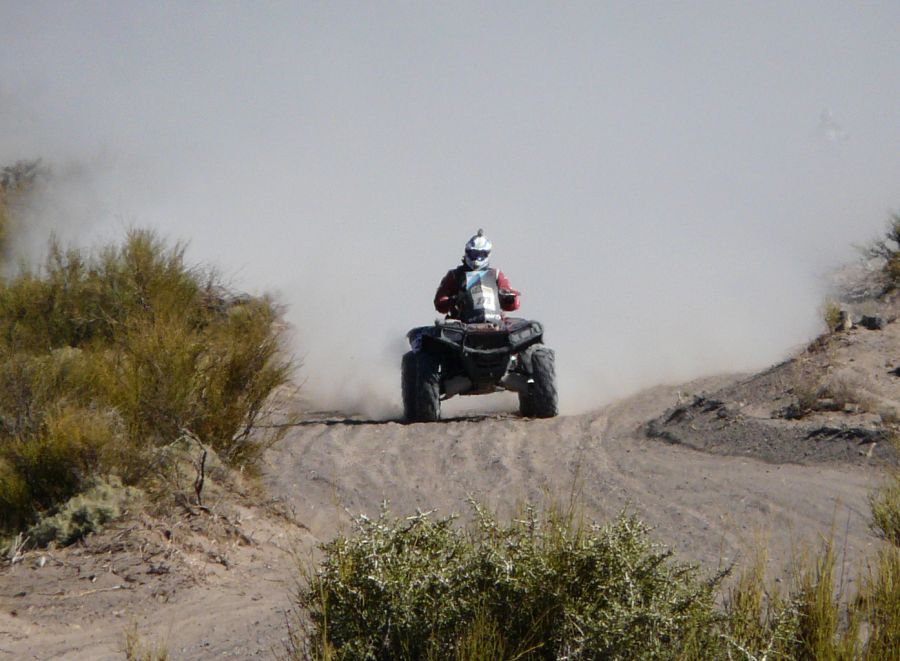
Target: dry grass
{"type": "Point", "coordinates": [833, 394]}
{"type": "Point", "coordinates": [878, 605]}
{"type": "Point", "coordinates": [136, 648]}
{"type": "Point", "coordinates": [803, 623]}
{"type": "Point", "coordinates": [885, 503]}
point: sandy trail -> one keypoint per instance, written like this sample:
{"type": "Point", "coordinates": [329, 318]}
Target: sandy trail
{"type": "Point", "coordinates": [710, 508]}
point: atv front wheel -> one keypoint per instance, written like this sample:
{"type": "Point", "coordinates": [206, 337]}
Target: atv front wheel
{"type": "Point", "coordinates": [526, 404]}
{"type": "Point", "coordinates": [421, 387]}
{"type": "Point", "coordinates": [541, 400]}
{"type": "Point", "coordinates": [408, 384]}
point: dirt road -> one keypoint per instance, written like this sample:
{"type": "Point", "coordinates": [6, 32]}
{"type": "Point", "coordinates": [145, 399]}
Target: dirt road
{"type": "Point", "coordinates": [710, 508]}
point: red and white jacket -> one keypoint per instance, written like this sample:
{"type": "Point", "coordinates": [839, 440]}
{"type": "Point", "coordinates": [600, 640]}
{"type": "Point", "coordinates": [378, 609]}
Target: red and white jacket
{"type": "Point", "coordinates": [450, 288]}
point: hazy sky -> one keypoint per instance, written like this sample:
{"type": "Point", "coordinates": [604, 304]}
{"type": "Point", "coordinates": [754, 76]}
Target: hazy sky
{"type": "Point", "coordinates": [666, 182]}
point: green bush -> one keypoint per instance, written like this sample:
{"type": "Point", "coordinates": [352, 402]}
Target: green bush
{"type": "Point", "coordinates": [537, 588]}
{"type": "Point", "coordinates": [546, 587]}
{"type": "Point", "coordinates": [108, 358]}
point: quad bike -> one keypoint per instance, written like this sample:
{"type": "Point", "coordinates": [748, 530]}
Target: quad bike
{"type": "Point", "coordinates": [476, 353]}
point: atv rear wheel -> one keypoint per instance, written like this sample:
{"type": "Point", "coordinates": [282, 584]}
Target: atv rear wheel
{"type": "Point", "coordinates": [421, 387]}
{"type": "Point", "coordinates": [541, 400]}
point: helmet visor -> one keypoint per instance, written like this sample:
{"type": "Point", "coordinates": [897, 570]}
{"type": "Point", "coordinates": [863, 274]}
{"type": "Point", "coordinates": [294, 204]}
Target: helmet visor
{"type": "Point", "coordinates": [477, 255]}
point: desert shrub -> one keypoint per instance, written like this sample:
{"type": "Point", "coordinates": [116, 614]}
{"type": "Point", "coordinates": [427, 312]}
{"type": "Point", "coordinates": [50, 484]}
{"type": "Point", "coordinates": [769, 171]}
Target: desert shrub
{"type": "Point", "coordinates": [107, 358]}
{"type": "Point", "coordinates": [806, 393]}
{"type": "Point", "coordinates": [16, 180]}
{"type": "Point", "coordinates": [79, 298]}
{"type": "Point", "coordinates": [82, 514]}
{"type": "Point", "coordinates": [833, 394]}
{"type": "Point", "coordinates": [547, 587]}
{"type": "Point", "coordinates": [540, 587]}
{"type": "Point", "coordinates": [831, 315]}
{"type": "Point", "coordinates": [4, 217]}
{"type": "Point", "coordinates": [887, 252]}
{"type": "Point", "coordinates": [52, 465]}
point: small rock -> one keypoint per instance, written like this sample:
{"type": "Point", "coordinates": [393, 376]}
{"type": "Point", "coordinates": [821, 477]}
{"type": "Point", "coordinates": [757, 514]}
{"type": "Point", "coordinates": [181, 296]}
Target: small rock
{"type": "Point", "coordinates": [871, 322]}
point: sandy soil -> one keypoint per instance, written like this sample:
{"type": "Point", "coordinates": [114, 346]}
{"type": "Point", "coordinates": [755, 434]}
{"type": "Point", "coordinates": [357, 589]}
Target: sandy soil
{"type": "Point", "coordinates": [709, 508]}
{"type": "Point", "coordinates": [218, 585]}
{"type": "Point", "coordinates": [201, 585]}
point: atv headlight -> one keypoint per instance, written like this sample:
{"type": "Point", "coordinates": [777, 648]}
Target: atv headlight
{"type": "Point", "coordinates": [523, 335]}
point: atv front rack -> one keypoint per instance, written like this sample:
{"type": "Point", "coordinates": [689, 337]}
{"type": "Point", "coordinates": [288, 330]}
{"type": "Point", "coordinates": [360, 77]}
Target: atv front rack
{"type": "Point", "coordinates": [511, 336]}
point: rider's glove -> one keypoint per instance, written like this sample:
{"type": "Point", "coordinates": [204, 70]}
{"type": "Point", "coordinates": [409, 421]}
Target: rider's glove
{"type": "Point", "coordinates": [507, 297]}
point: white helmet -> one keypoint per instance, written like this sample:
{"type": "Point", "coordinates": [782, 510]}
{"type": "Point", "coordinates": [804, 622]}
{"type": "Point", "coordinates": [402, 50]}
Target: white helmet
{"type": "Point", "coordinates": [478, 252]}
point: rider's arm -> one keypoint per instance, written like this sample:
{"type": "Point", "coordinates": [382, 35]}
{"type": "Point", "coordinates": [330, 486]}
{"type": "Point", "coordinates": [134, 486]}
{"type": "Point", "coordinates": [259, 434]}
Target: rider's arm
{"type": "Point", "coordinates": [445, 292]}
{"type": "Point", "coordinates": [509, 297]}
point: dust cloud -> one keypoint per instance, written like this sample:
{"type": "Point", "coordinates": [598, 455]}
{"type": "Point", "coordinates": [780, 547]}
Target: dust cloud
{"type": "Point", "coordinates": [666, 184]}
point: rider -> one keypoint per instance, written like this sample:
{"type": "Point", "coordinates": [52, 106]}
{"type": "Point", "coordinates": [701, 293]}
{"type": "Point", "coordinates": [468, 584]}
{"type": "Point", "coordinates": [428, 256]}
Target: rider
{"type": "Point", "coordinates": [474, 268]}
